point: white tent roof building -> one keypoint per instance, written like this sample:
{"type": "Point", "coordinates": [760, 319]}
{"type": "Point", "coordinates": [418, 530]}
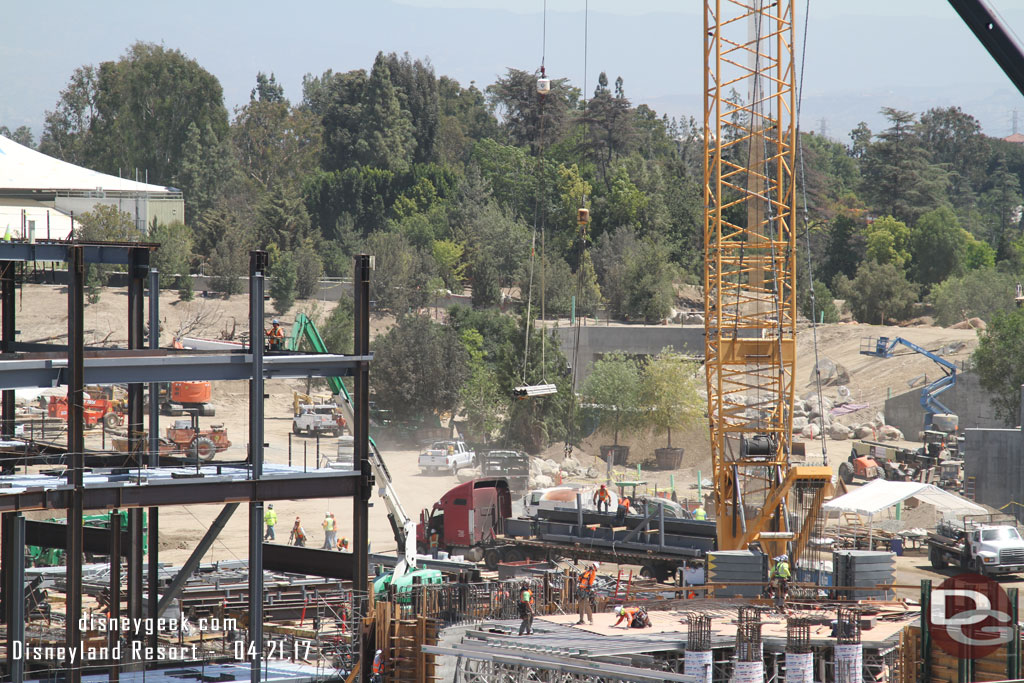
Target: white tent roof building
{"type": "Point", "coordinates": [880, 494]}
{"type": "Point", "coordinates": [41, 193]}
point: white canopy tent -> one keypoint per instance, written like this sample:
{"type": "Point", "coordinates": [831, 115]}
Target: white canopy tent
{"type": "Point", "coordinates": [880, 494]}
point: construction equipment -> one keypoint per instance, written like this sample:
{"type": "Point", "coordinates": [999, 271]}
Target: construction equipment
{"type": "Point", "coordinates": [935, 414]}
{"type": "Point", "coordinates": [182, 398]}
{"type": "Point", "coordinates": [199, 443]}
{"type": "Point", "coordinates": [985, 544]}
{"type": "Point", "coordinates": [95, 410]}
{"type": "Point", "coordinates": [750, 279]}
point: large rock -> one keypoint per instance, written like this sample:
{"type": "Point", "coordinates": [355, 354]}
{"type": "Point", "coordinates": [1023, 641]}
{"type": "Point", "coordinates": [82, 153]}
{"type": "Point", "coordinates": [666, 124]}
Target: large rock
{"type": "Point", "coordinates": [879, 421]}
{"type": "Point", "coordinates": [970, 324]}
{"type": "Point", "coordinates": [838, 432]}
{"type": "Point", "coordinates": [799, 423]}
{"type": "Point", "coordinates": [890, 433]}
{"type": "Point", "coordinates": [865, 431]}
{"type": "Point", "coordinates": [831, 373]}
{"type": "Point", "coordinates": [811, 431]}
{"type": "Point", "coordinates": [541, 481]}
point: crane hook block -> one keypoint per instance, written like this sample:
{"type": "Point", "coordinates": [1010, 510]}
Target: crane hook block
{"type": "Point", "coordinates": [582, 216]}
{"type": "Point", "coordinates": [543, 86]}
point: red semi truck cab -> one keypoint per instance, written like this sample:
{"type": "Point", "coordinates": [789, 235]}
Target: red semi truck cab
{"type": "Point", "coordinates": [467, 518]}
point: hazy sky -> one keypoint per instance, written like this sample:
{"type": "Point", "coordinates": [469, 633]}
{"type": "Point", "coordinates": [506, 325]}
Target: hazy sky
{"type": "Point", "coordinates": [861, 54]}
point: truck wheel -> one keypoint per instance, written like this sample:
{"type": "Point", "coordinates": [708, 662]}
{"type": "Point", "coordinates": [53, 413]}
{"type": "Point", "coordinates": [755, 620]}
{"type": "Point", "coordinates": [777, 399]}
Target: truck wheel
{"type": "Point", "coordinates": [846, 473]}
{"type": "Point", "coordinates": [111, 421]}
{"type": "Point", "coordinates": [492, 558]}
{"type": "Point", "coordinates": [203, 449]}
{"type": "Point", "coordinates": [295, 430]}
{"type": "Point", "coordinates": [648, 571]}
{"type": "Point", "coordinates": [937, 560]}
{"type": "Point", "coordinates": [979, 567]}
{"type": "Point", "coordinates": [515, 555]}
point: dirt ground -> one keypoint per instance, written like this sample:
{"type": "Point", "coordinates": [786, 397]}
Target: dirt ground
{"type": "Point", "coordinates": [42, 315]}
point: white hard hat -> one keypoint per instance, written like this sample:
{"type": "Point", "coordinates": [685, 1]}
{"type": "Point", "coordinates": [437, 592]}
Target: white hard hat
{"type": "Point", "coordinates": [597, 565]}
{"type": "Point", "coordinates": [618, 610]}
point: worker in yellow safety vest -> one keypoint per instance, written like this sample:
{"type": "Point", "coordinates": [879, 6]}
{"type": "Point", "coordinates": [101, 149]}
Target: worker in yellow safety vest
{"type": "Point", "coordinates": [700, 513]}
{"type": "Point", "coordinates": [602, 498]}
{"type": "Point", "coordinates": [329, 526]}
{"type": "Point", "coordinates": [526, 610]}
{"type": "Point", "coordinates": [270, 519]}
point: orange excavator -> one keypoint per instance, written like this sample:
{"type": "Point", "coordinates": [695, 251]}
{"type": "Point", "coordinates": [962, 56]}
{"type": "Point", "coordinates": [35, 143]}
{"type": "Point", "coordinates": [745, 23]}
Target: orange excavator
{"type": "Point", "coordinates": [182, 398]}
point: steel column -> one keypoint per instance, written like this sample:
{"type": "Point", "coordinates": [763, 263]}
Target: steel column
{"type": "Point", "coordinates": [257, 269]}
{"type": "Point", "coordinates": [7, 335]}
{"type": "Point", "coordinates": [361, 432]}
{"type": "Point", "coordinates": [114, 605]}
{"type": "Point", "coordinates": [6, 554]}
{"type": "Point", "coordinates": [16, 626]}
{"type": "Point", "coordinates": [138, 269]}
{"type": "Point", "coordinates": [76, 455]}
{"type": "Point", "coordinates": [154, 456]}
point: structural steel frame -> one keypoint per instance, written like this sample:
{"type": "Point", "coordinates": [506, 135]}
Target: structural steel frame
{"type": "Point", "coordinates": [74, 366]}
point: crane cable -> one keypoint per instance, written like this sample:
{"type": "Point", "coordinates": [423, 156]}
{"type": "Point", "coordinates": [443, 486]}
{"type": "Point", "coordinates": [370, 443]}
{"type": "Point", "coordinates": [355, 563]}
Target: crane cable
{"type": "Point", "coordinates": [807, 234]}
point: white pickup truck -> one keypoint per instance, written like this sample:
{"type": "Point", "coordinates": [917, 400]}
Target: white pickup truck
{"type": "Point", "coordinates": [980, 544]}
{"type": "Point", "coordinates": [319, 418]}
{"type": "Point", "coordinates": [450, 456]}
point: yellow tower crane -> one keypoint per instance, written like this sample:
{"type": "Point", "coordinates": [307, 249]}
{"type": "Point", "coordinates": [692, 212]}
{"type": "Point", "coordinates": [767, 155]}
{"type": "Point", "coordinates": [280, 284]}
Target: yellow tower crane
{"type": "Point", "coordinates": [750, 278]}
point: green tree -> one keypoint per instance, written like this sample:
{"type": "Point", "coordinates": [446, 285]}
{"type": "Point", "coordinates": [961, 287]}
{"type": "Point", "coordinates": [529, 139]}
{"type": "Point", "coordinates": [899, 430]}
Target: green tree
{"type": "Point", "coordinates": [386, 135]}
{"type": "Point", "coordinates": [282, 220]}
{"type": "Point", "coordinates": [888, 241]}
{"type": "Point", "coordinates": [277, 146]}
{"type": "Point", "coordinates": [588, 292]}
{"type": "Point", "coordinates": [670, 393]}
{"type": "Point", "coordinates": [897, 176]}
{"type": "Point", "coordinates": [337, 331]}
{"type": "Point", "coordinates": [283, 279]}
{"type": "Point", "coordinates": [845, 244]}
{"type": "Point", "coordinates": [977, 293]}
{"type": "Point", "coordinates": [448, 257]}
{"type": "Point", "coordinates": [402, 273]}
{"type": "Point", "coordinates": [955, 142]}
{"type": "Point", "coordinates": [824, 309]}
{"type": "Point", "coordinates": [229, 259]}
{"type": "Point", "coordinates": [937, 245]}
{"type": "Point", "coordinates": [486, 287]}
{"type": "Point", "coordinates": [525, 115]}
{"type": "Point", "coordinates": [482, 402]}
{"type": "Point", "coordinates": [22, 135]}
{"type": "Point", "coordinates": [419, 368]}
{"type": "Point", "coordinates": [613, 387]}
{"type": "Point", "coordinates": [135, 113]}
{"type": "Point", "coordinates": [610, 119]}
{"type": "Point", "coordinates": [174, 257]}
{"type": "Point", "coordinates": [880, 292]}
{"type": "Point", "coordinates": [999, 362]}
{"type": "Point", "coordinates": [105, 223]}
{"type": "Point", "coordinates": [206, 169]}
{"type": "Point", "coordinates": [309, 269]}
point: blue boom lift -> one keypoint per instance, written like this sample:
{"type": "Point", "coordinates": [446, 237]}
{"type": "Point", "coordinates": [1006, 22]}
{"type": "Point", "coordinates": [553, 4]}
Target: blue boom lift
{"type": "Point", "coordinates": [883, 347]}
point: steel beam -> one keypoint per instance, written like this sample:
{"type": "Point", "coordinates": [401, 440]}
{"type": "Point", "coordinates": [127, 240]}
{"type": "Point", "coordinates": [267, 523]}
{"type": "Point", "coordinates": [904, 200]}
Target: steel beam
{"type": "Point", "coordinates": [119, 254]}
{"type": "Point", "coordinates": [16, 626]}
{"type": "Point", "coordinates": [114, 604]}
{"type": "Point", "coordinates": [187, 492]}
{"type": "Point", "coordinates": [361, 431]}
{"type": "Point", "coordinates": [154, 456]}
{"type": "Point", "coordinates": [329, 564]}
{"type": "Point", "coordinates": [7, 335]}
{"type": "Point", "coordinates": [192, 563]}
{"type": "Point", "coordinates": [124, 367]}
{"type": "Point", "coordinates": [95, 540]}
{"type": "Point", "coordinates": [76, 455]}
{"type": "Point", "coordinates": [258, 261]}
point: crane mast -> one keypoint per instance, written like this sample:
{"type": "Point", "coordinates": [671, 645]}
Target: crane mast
{"type": "Point", "coordinates": [750, 274]}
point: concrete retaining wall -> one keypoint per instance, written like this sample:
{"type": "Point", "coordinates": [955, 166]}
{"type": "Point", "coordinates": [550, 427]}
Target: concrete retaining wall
{"type": "Point", "coordinates": [995, 458]}
{"type": "Point", "coordinates": [641, 340]}
{"type": "Point", "coordinates": [967, 400]}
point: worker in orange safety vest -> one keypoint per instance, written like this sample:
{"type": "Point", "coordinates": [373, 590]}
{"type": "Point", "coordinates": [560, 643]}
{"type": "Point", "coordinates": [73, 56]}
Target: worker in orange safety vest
{"type": "Point", "coordinates": [275, 335]}
{"type": "Point", "coordinates": [585, 594]}
{"type": "Point", "coordinates": [602, 498]}
{"type": "Point", "coordinates": [377, 672]}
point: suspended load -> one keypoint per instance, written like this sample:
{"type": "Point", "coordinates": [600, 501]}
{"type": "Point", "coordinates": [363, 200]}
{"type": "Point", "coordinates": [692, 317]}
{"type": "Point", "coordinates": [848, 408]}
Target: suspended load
{"type": "Point", "coordinates": [534, 390]}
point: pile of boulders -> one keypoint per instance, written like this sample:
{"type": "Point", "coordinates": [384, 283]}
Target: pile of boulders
{"type": "Point", "coordinates": [811, 417]}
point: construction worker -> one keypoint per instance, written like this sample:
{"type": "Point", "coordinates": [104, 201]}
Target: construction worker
{"type": "Point", "coordinates": [298, 535]}
{"type": "Point", "coordinates": [377, 673]}
{"type": "Point", "coordinates": [526, 609]}
{"type": "Point", "coordinates": [329, 526]}
{"type": "Point", "coordinates": [435, 540]}
{"type": "Point", "coordinates": [343, 544]}
{"type": "Point", "coordinates": [622, 510]}
{"type": "Point", "coordinates": [700, 513]}
{"type": "Point", "coordinates": [275, 335]}
{"type": "Point", "coordinates": [585, 593]}
{"type": "Point", "coordinates": [602, 497]}
{"type": "Point", "coordinates": [635, 617]}
{"type": "Point", "coordinates": [270, 519]}
{"type": "Point", "coordinates": [780, 577]}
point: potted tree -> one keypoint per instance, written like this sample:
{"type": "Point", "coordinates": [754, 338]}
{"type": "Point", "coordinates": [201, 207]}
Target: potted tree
{"type": "Point", "coordinates": [670, 396]}
{"type": "Point", "coordinates": [613, 389]}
